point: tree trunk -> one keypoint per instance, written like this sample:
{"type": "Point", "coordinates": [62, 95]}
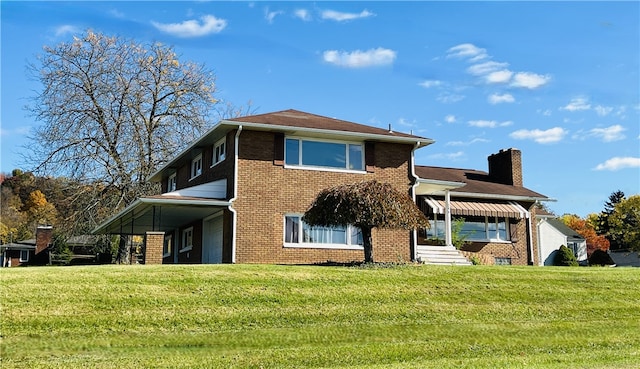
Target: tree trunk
{"type": "Point", "coordinates": [368, 246]}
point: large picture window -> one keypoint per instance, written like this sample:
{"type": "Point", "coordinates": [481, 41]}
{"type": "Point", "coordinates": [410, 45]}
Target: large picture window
{"type": "Point", "coordinates": [299, 234]}
{"type": "Point", "coordinates": [486, 229]}
{"type": "Point", "coordinates": [324, 154]}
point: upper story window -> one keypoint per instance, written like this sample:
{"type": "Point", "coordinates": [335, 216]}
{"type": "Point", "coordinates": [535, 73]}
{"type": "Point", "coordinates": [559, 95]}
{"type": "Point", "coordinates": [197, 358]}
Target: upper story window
{"type": "Point", "coordinates": [171, 183]}
{"type": "Point", "coordinates": [196, 166]}
{"type": "Point", "coordinates": [219, 151]}
{"type": "Point", "coordinates": [324, 154]}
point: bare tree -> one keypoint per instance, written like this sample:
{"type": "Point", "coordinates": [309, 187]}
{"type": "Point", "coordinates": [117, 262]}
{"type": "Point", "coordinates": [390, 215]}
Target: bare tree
{"type": "Point", "coordinates": [112, 112]}
{"type": "Point", "coordinates": [366, 205]}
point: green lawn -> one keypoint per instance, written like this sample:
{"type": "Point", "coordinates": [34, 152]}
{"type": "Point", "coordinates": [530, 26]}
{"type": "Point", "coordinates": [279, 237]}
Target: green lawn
{"type": "Point", "coordinates": [264, 316]}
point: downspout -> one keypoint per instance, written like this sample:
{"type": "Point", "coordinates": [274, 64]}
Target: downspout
{"type": "Point", "coordinates": [530, 238]}
{"type": "Point", "coordinates": [234, 214]}
{"type": "Point", "coordinates": [414, 241]}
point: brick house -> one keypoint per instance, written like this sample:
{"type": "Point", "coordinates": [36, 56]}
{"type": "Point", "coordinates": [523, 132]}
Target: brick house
{"type": "Point", "coordinates": [28, 252]}
{"type": "Point", "coordinates": [237, 194]}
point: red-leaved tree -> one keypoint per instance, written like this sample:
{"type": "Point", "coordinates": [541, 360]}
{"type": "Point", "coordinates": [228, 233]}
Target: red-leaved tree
{"type": "Point", "coordinates": [586, 229]}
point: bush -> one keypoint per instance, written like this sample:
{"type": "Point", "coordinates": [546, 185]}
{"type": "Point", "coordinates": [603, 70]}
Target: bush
{"type": "Point", "coordinates": [600, 258]}
{"type": "Point", "coordinates": [565, 257]}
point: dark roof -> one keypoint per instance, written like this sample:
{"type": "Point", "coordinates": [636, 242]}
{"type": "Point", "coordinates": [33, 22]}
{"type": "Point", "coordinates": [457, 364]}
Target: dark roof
{"type": "Point", "coordinates": [560, 226]}
{"type": "Point", "coordinates": [299, 119]}
{"type": "Point", "coordinates": [477, 182]}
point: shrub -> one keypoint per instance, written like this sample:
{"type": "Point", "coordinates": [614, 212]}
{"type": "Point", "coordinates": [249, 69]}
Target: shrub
{"type": "Point", "coordinates": [565, 257]}
{"type": "Point", "coordinates": [601, 258]}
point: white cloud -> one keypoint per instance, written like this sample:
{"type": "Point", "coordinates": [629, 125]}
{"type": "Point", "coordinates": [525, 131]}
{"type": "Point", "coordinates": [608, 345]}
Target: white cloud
{"type": "Point", "coordinates": [341, 17]}
{"type": "Point", "coordinates": [467, 143]}
{"type": "Point", "coordinates": [449, 98]}
{"type": "Point", "coordinates": [501, 76]}
{"type": "Point", "coordinates": [603, 110]}
{"type": "Point", "coordinates": [550, 135]}
{"type": "Point", "coordinates": [546, 113]}
{"type": "Point", "coordinates": [489, 123]}
{"type": "Point", "coordinates": [529, 80]}
{"type": "Point", "coordinates": [450, 156]}
{"type": "Point", "coordinates": [66, 29]}
{"type": "Point", "coordinates": [450, 118]}
{"type": "Point", "coordinates": [609, 134]}
{"type": "Point", "coordinates": [193, 28]}
{"type": "Point", "coordinates": [302, 14]}
{"type": "Point", "coordinates": [486, 68]}
{"type": "Point", "coordinates": [430, 83]}
{"type": "Point", "coordinates": [618, 163]}
{"type": "Point", "coordinates": [360, 59]}
{"type": "Point", "coordinates": [576, 104]}
{"type": "Point", "coordinates": [504, 98]}
{"type": "Point", "coordinates": [470, 51]}
{"type": "Point", "coordinates": [271, 15]}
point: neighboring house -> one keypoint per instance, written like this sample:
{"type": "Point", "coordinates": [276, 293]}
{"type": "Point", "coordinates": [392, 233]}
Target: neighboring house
{"type": "Point", "coordinates": [237, 194]}
{"type": "Point", "coordinates": [625, 258]}
{"type": "Point", "coordinates": [28, 252]}
{"type": "Point", "coordinates": [553, 233]}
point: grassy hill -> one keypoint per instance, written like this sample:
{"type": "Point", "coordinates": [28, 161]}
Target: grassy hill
{"type": "Point", "coordinates": [264, 316]}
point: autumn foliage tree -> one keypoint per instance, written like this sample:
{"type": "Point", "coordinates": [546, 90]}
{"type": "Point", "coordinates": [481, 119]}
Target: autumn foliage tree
{"type": "Point", "coordinates": [586, 229]}
{"type": "Point", "coordinates": [624, 222]}
{"type": "Point", "coordinates": [366, 205]}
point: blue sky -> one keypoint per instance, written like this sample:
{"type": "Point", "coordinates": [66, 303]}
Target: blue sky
{"type": "Point", "coordinates": [558, 80]}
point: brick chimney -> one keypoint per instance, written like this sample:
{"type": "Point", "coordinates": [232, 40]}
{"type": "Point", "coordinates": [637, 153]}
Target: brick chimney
{"type": "Point", "coordinates": [506, 167]}
{"type": "Point", "coordinates": [44, 236]}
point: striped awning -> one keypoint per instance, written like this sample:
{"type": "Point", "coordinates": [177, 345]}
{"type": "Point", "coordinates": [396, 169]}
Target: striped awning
{"type": "Point", "coordinates": [505, 209]}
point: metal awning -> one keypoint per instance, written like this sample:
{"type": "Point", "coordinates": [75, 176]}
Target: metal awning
{"type": "Point", "coordinates": [506, 209]}
{"type": "Point", "coordinates": [160, 213]}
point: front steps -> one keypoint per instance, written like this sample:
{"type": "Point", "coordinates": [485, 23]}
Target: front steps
{"type": "Point", "coordinates": [440, 255]}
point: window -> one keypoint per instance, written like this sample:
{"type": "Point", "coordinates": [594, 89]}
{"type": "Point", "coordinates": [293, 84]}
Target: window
{"type": "Point", "coordinates": [196, 166]}
{"type": "Point", "coordinates": [503, 261]}
{"type": "Point", "coordinates": [573, 246]}
{"type": "Point", "coordinates": [171, 183]}
{"type": "Point", "coordinates": [485, 229]}
{"type": "Point", "coordinates": [187, 239]}
{"type": "Point", "coordinates": [219, 151]}
{"type": "Point", "coordinates": [324, 154]}
{"type": "Point", "coordinates": [299, 234]}
{"type": "Point", "coordinates": [167, 246]}
{"type": "Point", "coordinates": [24, 256]}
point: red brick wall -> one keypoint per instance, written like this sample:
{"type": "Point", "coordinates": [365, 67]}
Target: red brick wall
{"type": "Point", "coordinates": [266, 192]}
{"type": "Point", "coordinates": [154, 243]}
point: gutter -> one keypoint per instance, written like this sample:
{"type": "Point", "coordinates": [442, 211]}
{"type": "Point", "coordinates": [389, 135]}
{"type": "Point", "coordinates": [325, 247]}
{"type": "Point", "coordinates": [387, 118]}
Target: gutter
{"type": "Point", "coordinates": [235, 195]}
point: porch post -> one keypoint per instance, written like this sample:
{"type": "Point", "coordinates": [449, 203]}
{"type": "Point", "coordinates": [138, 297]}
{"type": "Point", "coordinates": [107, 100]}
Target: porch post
{"type": "Point", "coordinates": [154, 242]}
{"type": "Point", "coordinates": [447, 219]}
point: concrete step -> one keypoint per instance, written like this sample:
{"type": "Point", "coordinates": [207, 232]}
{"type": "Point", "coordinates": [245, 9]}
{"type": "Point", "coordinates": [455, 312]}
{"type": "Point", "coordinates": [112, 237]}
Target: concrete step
{"type": "Point", "coordinates": [440, 255]}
